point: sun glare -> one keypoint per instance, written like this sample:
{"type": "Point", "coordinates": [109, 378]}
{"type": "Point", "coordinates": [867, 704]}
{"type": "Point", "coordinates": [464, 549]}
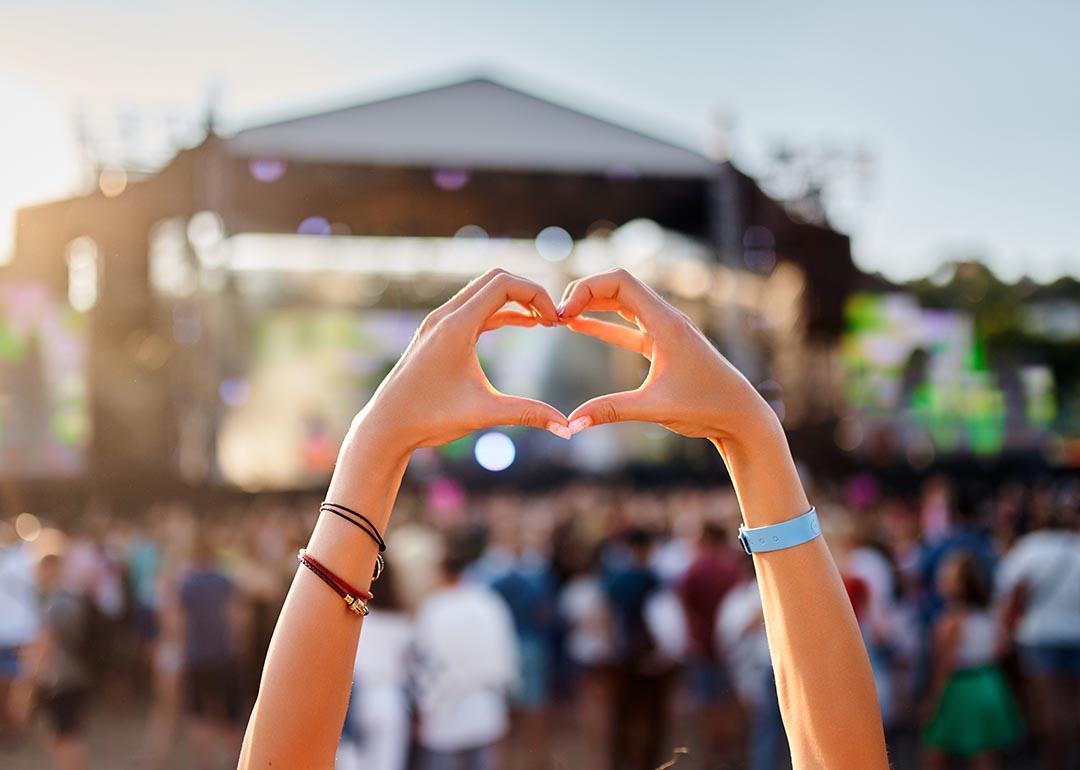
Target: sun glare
{"type": "Point", "coordinates": [38, 158]}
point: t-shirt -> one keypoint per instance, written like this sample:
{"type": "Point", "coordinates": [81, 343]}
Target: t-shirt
{"type": "Point", "coordinates": [628, 589]}
{"type": "Point", "coordinates": [204, 598]}
{"type": "Point", "coordinates": [584, 607]}
{"type": "Point", "coordinates": [467, 664]}
{"type": "Point", "coordinates": [740, 627]}
{"type": "Point", "coordinates": [702, 588]}
{"type": "Point", "coordinates": [527, 595]}
{"type": "Point", "coordinates": [19, 616]}
{"type": "Point", "coordinates": [1048, 563]}
{"type": "Point", "coordinates": [385, 650]}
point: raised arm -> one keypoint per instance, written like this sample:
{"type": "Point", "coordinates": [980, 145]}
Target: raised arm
{"type": "Point", "coordinates": [823, 675]}
{"type": "Point", "coordinates": [437, 392]}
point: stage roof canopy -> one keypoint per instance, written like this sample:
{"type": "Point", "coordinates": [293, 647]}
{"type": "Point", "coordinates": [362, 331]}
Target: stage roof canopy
{"type": "Point", "coordinates": [475, 124]}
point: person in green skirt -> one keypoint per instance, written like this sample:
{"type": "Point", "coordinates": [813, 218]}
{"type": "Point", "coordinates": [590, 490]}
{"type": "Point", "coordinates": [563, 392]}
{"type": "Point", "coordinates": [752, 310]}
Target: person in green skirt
{"type": "Point", "coordinates": [974, 715]}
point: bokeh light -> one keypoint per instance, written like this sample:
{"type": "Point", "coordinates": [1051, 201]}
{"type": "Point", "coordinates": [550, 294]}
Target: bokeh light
{"type": "Point", "coordinates": [234, 391]}
{"type": "Point", "coordinates": [267, 169]}
{"type": "Point", "coordinates": [638, 239]}
{"type": "Point", "coordinates": [205, 230]}
{"type": "Point", "coordinates": [554, 244]}
{"type": "Point", "coordinates": [112, 181]}
{"type": "Point", "coordinates": [495, 451]}
{"type": "Point", "coordinates": [450, 178]}
{"type": "Point", "coordinates": [314, 226]}
{"type": "Point", "coordinates": [759, 249]}
{"type": "Point", "coordinates": [27, 527]}
{"type": "Point", "coordinates": [82, 261]}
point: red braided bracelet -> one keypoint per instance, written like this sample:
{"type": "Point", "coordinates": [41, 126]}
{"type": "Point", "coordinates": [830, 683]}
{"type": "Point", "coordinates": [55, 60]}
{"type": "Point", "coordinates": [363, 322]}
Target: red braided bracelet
{"type": "Point", "coordinates": [354, 598]}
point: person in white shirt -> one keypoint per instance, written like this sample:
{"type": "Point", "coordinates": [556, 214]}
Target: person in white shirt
{"type": "Point", "coordinates": [377, 725]}
{"type": "Point", "coordinates": [741, 641]}
{"type": "Point", "coordinates": [1040, 580]}
{"type": "Point", "coordinates": [585, 612]}
{"type": "Point", "coordinates": [467, 664]}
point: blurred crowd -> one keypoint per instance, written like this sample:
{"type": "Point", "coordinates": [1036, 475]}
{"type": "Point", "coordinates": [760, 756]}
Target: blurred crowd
{"type": "Point", "coordinates": [593, 625]}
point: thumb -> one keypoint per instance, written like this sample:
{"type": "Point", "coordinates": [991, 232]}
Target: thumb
{"type": "Point", "coordinates": [515, 410]}
{"type": "Point", "coordinates": [614, 407]}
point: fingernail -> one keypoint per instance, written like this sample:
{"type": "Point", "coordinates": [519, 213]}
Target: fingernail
{"type": "Point", "coordinates": [559, 430]}
{"type": "Point", "coordinates": [580, 424]}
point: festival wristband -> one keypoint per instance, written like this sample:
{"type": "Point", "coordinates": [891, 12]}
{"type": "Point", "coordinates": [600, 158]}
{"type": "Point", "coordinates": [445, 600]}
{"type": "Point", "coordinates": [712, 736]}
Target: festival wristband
{"type": "Point", "coordinates": [786, 534]}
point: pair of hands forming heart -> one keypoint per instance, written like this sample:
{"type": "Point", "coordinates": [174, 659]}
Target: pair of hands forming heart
{"type": "Point", "coordinates": [438, 392]}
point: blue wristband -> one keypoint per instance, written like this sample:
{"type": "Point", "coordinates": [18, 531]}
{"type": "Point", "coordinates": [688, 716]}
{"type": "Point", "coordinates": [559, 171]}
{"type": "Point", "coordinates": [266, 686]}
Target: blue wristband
{"type": "Point", "coordinates": [786, 534]}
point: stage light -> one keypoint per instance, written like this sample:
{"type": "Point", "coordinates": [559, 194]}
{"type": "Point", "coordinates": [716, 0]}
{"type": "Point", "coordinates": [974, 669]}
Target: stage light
{"type": "Point", "coordinates": [495, 451]}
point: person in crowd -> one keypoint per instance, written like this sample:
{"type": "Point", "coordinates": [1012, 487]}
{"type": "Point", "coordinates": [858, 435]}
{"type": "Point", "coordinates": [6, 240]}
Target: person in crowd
{"type": "Point", "coordinates": [527, 587]}
{"type": "Point", "coordinates": [973, 715]}
{"type": "Point", "coordinates": [741, 640]}
{"type": "Point", "coordinates": [964, 532]}
{"type": "Point", "coordinates": [868, 570]}
{"type": "Point", "coordinates": [143, 557]}
{"type": "Point", "coordinates": [953, 524]}
{"type": "Point", "coordinates": [1039, 582]}
{"type": "Point", "coordinates": [58, 673]}
{"type": "Point", "coordinates": [19, 616]}
{"type": "Point", "coordinates": [589, 646]}
{"type": "Point", "coordinates": [467, 667]}
{"type": "Point", "coordinates": [209, 615]}
{"type": "Point", "coordinates": [640, 677]}
{"type": "Point", "coordinates": [377, 727]}
{"type": "Point", "coordinates": [712, 573]}
{"type": "Point", "coordinates": [261, 583]}
{"type": "Point", "coordinates": [166, 664]}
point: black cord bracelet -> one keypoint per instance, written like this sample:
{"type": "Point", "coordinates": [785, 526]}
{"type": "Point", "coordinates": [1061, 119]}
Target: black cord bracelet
{"type": "Point", "coordinates": [360, 520]}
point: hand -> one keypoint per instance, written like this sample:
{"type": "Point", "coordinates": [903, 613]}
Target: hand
{"type": "Point", "coordinates": [690, 389]}
{"type": "Point", "coordinates": [437, 391]}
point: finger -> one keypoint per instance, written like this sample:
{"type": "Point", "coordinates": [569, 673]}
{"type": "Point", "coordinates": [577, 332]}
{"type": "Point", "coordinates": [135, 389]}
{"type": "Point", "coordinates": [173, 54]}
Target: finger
{"type": "Point", "coordinates": [615, 407]}
{"type": "Point", "coordinates": [566, 293]}
{"type": "Point", "coordinates": [613, 334]}
{"type": "Point", "coordinates": [516, 410]}
{"type": "Point", "coordinates": [607, 306]}
{"type": "Point", "coordinates": [510, 318]}
{"type": "Point", "coordinates": [503, 289]}
{"type": "Point", "coordinates": [467, 292]}
{"type": "Point", "coordinates": [618, 287]}
{"type": "Point", "coordinates": [597, 306]}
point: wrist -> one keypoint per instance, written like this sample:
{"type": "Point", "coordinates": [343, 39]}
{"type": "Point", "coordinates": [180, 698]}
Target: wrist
{"type": "Point", "coordinates": [374, 432]}
{"type": "Point", "coordinates": [753, 424]}
{"type": "Point", "coordinates": [763, 472]}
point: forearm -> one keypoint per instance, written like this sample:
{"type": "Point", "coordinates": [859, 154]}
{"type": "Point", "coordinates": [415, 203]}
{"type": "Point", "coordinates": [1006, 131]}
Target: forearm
{"type": "Point", "coordinates": [823, 675]}
{"type": "Point", "coordinates": [305, 684]}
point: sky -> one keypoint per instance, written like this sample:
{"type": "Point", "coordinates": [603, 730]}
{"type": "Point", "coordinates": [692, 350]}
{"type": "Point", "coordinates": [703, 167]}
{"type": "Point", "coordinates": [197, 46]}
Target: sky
{"type": "Point", "coordinates": [970, 108]}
